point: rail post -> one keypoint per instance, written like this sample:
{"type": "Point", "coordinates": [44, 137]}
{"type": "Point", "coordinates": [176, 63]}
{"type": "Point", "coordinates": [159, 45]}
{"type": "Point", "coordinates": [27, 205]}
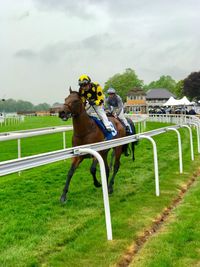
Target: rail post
{"type": "Point", "coordinates": [155, 162]}
{"type": "Point", "coordinates": [104, 187]}
{"type": "Point", "coordinates": [191, 141]}
{"type": "Point", "coordinates": [179, 148]}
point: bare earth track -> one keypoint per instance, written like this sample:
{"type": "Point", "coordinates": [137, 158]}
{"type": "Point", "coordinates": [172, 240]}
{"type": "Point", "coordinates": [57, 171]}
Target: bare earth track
{"type": "Point", "coordinates": [157, 224]}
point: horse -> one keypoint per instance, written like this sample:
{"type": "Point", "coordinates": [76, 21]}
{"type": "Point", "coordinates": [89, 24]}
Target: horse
{"type": "Point", "coordinates": [126, 146]}
{"type": "Point", "coordinates": [86, 131]}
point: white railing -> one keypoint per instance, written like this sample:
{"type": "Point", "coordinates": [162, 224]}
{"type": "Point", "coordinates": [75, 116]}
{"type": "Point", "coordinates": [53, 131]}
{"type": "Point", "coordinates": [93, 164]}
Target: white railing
{"type": "Point", "coordinates": [6, 120]}
{"type": "Point", "coordinates": [20, 164]}
{"type": "Point", "coordinates": [18, 135]}
{"type": "Point", "coordinates": [139, 121]}
{"type": "Point", "coordinates": [172, 118]}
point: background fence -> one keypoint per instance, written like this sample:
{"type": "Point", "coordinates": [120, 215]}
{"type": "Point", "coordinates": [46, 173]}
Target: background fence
{"type": "Point", "coordinates": [8, 119]}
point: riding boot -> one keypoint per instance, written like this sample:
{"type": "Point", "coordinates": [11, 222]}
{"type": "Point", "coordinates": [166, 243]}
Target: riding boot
{"type": "Point", "coordinates": [128, 132]}
{"type": "Point", "coordinates": [102, 115]}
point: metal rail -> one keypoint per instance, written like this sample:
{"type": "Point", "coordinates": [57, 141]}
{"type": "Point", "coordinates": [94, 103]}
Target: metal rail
{"type": "Point", "coordinates": [34, 132]}
{"type": "Point", "coordinates": [11, 166]}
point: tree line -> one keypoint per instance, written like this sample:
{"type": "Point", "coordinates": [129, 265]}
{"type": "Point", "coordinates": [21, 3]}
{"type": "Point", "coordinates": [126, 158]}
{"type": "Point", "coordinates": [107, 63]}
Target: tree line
{"type": "Point", "coordinates": [190, 87]}
{"type": "Point", "coordinates": [11, 105]}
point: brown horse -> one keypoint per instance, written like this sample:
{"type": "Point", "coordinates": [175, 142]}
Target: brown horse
{"type": "Point", "coordinates": [86, 131]}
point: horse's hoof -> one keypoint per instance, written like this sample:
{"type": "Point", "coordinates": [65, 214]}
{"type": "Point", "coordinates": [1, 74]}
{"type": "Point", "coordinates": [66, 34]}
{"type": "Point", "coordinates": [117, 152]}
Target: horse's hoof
{"type": "Point", "coordinates": [63, 199]}
{"type": "Point", "coordinates": [133, 159]}
{"type": "Point", "coordinates": [97, 184]}
{"type": "Point", "coordinates": [126, 154]}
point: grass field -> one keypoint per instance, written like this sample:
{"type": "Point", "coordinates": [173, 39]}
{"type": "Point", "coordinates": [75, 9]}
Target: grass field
{"type": "Point", "coordinates": [36, 230]}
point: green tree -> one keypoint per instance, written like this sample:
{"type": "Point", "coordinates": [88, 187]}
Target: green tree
{"type": "Point", "coordinates": [191, 86]}
{"type": "Point", "coordinates": [178, 90]}
{"type": "Point", "coordinates": [124, 82]}
{"type": "Point", "coordinates": [164, 82]}
{"type": "Point", "coordinates": [42, 106]}
{"type": "Point", "coordinates": [11, 105]}
{"type": "Point", "coordinates": [24, 106]}
{"type": "Point", "coordinates": [8, 105]}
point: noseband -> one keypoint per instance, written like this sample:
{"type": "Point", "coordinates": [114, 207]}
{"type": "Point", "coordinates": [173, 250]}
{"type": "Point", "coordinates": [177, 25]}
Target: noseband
{"type": "Point", "coordinates": [69, 107]}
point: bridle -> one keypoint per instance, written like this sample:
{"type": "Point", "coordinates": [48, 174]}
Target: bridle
{"type": "Point", "coordinates": [69, 106]}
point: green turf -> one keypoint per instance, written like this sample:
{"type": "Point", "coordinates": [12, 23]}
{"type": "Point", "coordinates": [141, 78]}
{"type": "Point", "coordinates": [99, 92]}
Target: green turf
{"type": "Point", "coordinates": [36, 230]}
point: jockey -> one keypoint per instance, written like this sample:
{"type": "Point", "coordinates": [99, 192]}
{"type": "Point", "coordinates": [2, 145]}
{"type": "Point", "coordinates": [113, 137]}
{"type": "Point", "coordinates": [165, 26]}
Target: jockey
{"type": "Point", "coordinates": [114, 103]}
{"type": "Point", "coordinates": [92, 93]}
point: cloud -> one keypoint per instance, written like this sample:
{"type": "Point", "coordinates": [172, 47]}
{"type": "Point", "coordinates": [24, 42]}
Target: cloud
{"type": "Point", "coordinates": [50, 43]}
{"type": "Point", "coordinates": [26, 54]}
{"type": "Point", "coordinates": [86, 9]}
{"type": "Point", "coordinates": [121, 9]}
{"type": "Point", "coordinates": [59, 50]}
{"type": "Point", "coordinates": [24, 15]}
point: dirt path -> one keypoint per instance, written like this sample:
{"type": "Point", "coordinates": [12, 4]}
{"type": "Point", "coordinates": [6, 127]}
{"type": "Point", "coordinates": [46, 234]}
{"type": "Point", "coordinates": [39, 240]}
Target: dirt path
{"type": "Point", "coordinates": [157, 224]}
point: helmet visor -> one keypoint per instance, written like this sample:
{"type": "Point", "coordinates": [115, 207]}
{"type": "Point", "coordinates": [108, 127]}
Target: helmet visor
{"type": "Point", "coordinates": [111, 91]}
{"type": "Point", "coordinates": [83, 83]}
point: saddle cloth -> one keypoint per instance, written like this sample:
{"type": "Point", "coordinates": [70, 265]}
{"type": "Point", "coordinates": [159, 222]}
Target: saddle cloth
{"type": "Point", "coordinates": [108, 135]}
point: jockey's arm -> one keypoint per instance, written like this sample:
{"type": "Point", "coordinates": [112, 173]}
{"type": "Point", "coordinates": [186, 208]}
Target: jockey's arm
{"type": "Point", "coordinates": [100, 96]}
{"type": "Point", "coordinates": [108, 107]}
{"type": "Point", "coordinates": [119, 105]}
{"type": "Point", "coordinates": [83, 100]}
{"type": "Point", "coordinates": [81, 93]}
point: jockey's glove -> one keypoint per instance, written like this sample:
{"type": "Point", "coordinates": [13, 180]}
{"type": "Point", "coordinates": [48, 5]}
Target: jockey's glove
{"type": "Point", "coordinates": [91, 103]}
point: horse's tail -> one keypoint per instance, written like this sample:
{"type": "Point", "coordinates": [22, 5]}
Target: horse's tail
{"type": "Point", "coordinates": [133, 128]}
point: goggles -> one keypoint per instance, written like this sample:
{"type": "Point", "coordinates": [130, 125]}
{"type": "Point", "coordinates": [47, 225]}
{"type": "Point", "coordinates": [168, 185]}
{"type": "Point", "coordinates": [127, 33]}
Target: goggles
{"type": "Point", "coordinates": [83, 83]}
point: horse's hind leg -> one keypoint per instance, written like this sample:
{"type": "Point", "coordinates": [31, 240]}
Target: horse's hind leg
{"type": "Point", "coordinates": [75, 162]}
{"type": "Point", "coordinates": [133, 143]}
{"type": "Point", "coordinates": [93, 170]}
{"type": "Point", "coordinates": [133, 150]}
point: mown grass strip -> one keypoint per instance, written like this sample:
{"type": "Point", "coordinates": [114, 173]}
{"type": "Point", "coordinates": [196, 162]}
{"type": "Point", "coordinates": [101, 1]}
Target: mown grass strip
{"type": "Point", "coordinates": [177, 242]}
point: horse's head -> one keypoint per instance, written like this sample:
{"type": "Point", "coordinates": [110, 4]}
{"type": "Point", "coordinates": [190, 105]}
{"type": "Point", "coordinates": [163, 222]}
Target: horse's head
{"type": "Point", "coordinates": [72, 107]}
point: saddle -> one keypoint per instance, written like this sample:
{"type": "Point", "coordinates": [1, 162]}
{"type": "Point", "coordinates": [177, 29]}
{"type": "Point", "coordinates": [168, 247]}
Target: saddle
{"type": "Point", "coordinates": [108, 135]}
{"type": "Point", "coordinates": [127, 129]}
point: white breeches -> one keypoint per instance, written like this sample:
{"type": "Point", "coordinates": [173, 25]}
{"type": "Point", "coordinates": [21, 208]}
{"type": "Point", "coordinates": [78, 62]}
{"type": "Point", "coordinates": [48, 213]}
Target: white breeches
{"type": "Point", "coordinates": [122, 118]}
{"type": "Point", "coordinates": [102, 115]}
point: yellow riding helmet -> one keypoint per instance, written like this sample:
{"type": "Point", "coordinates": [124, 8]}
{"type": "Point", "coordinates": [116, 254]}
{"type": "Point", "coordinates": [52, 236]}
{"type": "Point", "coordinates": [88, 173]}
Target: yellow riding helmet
{"type": "Point", "coordinates": [84, 79]}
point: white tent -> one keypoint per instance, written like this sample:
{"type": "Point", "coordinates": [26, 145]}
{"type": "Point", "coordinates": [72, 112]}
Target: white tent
{"type": "Point", "coordinates": [184, 101]}
{"type": "Point", "coordinates": [179, 102]}
{"type": "Point", "coordinates": [171, 102]}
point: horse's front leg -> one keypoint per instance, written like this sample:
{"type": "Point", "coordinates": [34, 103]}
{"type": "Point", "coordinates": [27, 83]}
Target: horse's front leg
{"type": "Point", "coordinates": [75, 162]}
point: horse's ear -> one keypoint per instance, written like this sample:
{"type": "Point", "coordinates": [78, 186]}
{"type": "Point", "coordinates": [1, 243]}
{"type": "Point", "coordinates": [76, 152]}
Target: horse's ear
{"type": "Point", "coordinates": [70, 89]}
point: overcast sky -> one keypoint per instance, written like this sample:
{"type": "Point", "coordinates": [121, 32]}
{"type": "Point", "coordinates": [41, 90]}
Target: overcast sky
{"type": "Point", "coordinates": [45, 45]}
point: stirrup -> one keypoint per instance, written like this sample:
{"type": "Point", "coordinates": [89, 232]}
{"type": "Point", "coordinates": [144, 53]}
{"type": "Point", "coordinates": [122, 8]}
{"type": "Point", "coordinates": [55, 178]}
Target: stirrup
{"type": "Point", "coordinates": [127, 130]}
